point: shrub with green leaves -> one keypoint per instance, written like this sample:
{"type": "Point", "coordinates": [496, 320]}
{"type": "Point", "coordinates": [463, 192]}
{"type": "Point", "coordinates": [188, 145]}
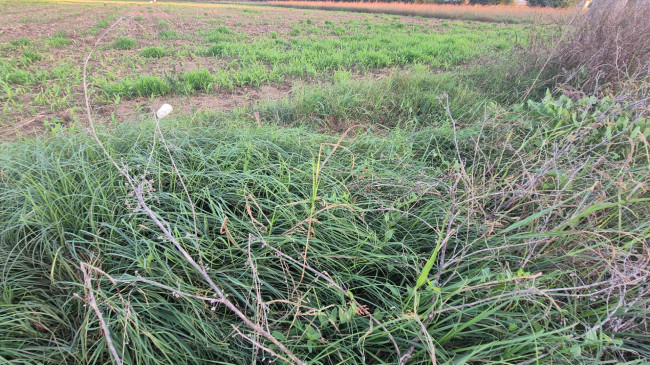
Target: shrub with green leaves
{"type": "Point", "coordinates": [604, 119]}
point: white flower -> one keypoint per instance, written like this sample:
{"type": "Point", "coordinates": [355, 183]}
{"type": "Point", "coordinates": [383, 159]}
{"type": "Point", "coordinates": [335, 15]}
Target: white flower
{"type": "Point", "coordinates": [164, 111]}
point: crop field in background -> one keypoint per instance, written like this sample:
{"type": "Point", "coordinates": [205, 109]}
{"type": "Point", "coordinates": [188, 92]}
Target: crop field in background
{"type": "Point", "coordinates": [498, 14]}
{"type": "Point", "coordinates": [446, 185]}
{"type": "Point", "coordinates": [211, 57]}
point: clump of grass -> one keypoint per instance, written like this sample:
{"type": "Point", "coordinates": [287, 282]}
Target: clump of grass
{"type": "Point", "coordinates": [407, 99]}
{"type": "Point", "coordinates": [219, 34]}
{"type": "Point", "coordinates": [222, 29]}
{"type": "Point", "coordinates": [198, 80]}
{"type": "Point", "coordinates": [124, 43]}
{"type": "Point", "coordinates": [295, 32]}
{"type": "Point", "coordinates": [31, 56]}
{"type": "Point", "coordinates": [104, 23]}
{"type": "Point", "coordinates": [169, 34]}
{"type": "Point", "coordinates": [338, 30]}
{"type": "Point", "coordinates": [218, 49]}
{"type": "Point", "coordinates": [19, 77]}
{"type": "Point", "coordinates": [146, 85]}
{"type": "Point", "coordinates": [20, 42]}
{"type": "Point", "coordinates": [138, 18]}
{"type": "Point", "coordinates": [162, 25]}
{"type": "Point", "coordinates": [58, 40]}
{"type": "Point", "coordinates": [153, 52]}
{"type": "Point", "coordinates": [151, 86]}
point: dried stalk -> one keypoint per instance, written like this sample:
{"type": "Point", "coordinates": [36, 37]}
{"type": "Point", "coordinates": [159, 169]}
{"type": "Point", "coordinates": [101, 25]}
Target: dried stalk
{"type": "Point", "coordinates": [93, 304]}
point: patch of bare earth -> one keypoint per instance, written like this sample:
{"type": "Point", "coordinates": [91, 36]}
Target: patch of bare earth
{"type": "Point", "coordinates": [134, 110]}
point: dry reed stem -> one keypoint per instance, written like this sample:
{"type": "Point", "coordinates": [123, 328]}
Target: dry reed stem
{"type": "Point", "coordinates": [93, 304]}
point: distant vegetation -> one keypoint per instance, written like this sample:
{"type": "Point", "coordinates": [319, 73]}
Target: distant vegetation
{"type": "Point", "coordinates": [510, 14]}
{"type": "Point", "coordinates": [538, 3]}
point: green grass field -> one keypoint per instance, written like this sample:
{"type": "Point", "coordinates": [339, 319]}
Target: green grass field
{"type": "Point", "coordinates": [218, 50]}
{"type": "Point", "coordinates": [407, 192]}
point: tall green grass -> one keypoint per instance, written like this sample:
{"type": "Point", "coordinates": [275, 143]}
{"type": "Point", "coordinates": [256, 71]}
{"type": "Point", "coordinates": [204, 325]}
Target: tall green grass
{"type": "Point", "coordinates": [443, 229]}
{"type": "Point", "coordinates": [409, 99]}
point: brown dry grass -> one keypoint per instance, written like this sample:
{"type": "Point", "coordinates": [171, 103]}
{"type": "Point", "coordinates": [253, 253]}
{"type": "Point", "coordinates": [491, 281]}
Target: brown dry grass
{"type": "Point", "coordinates": [611, 44]}
{"type": "Point", "coordinates": [443, 11]}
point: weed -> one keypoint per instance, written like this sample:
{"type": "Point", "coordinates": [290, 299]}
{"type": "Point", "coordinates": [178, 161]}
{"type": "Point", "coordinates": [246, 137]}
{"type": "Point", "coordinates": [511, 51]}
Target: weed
{"type": "Point", "coordinates": [53, 126]}
{"type": "Point", "coordinates": [338, 30]}
{"type": "Point", "coordinates": [19, 77]}
{"type": "Point", "coordinates": [222, 29]}
{"type": "Point", "coordinates": [151, 86]}
{"type": "Point", "coordinates": [58, 40]}
{"type": "Point", "coordinates": [104, 23]}
{"type": "Point", "coordinates": [198, 80]}
{"type": "Point", "coordinates": [20, 42]}
{"type": "Point", "coordinates": [219, 34]}
{"type": "Point", "coordinates": [31, 56]}
{"type": "Point", "coordinates": [124, 43]}
{"type": "Point", "coordinates": [169, 34]}
{"type": "Point", "coordinates": [609, 44]}
{"type": "Point", "coordinates": [218, 49]}
{"type": "Point", "coordinates": [153, 52]}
